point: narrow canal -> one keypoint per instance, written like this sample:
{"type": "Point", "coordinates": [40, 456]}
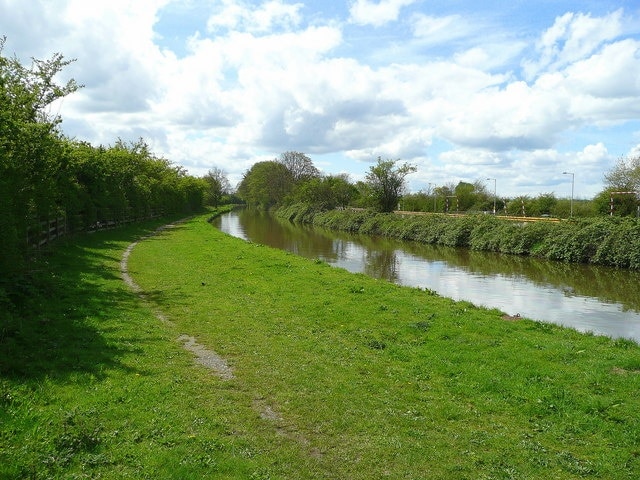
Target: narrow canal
{"type": "Point", "coordinates": [602, 300]}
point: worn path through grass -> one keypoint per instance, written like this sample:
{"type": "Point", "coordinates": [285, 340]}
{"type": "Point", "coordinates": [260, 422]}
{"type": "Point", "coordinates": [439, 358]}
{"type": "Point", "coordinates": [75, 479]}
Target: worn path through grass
{"type": "Point", "coordinates": [358, 378]}
{"type": "Point", "coordinates": [334, 375]}
{"type": "Point", "coordinates": [93, 385]}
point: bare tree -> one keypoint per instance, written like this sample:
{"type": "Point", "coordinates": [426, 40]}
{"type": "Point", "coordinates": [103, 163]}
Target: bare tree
{"type": "Point", "coordinates": [625, 175]}
{"type": "Point", "coordinates": [300, 166]}
{"type": "Point", "coordinates": [218, 186]}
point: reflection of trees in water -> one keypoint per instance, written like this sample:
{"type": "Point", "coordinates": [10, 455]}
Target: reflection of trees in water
{"type": "Point", "coordinates": [285, 235]}
{"type": "Point", "coordinates": [604, 283]}
{"type": "Point", "coordinates": [381, 264]}
{"type": "Point", "coordinates": [381, 261]}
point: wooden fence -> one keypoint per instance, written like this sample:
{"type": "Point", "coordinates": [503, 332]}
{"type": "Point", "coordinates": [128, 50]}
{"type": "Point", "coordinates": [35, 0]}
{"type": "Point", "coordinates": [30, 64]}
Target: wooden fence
{"type": "Point", "coordinates": [45, 231]}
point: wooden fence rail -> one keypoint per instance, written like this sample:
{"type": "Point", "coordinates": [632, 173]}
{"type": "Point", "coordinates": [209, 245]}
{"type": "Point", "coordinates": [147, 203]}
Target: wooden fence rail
{"type": "Point", "coordinates": [45, 231]}
{"type": "Point", "coordinates": [42, 232]}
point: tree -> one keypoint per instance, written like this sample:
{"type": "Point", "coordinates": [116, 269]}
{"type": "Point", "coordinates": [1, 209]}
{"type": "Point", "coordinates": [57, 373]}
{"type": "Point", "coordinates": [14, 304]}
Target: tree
{"type": "Point", "coordinates": [299, 165]}
{"type": "Point", "coordinates": [44, 175]}
{"type": "Point", "coordinates": [544, 204]}
{"type": "Point", "coordinates": [465, 195]}
{"type": "Point", "coordinates": [385, 183]}
{"type": "Point", "coordinates": [519, 206]}
{"type": "Point", "coordinates": [326, 192]}
{"type": "Point", "coordinates": [32, 153]}
{"type": "Point", "coordinates": [623, 177]}
{"type": "Point", "coordinates": [441, 192]}
{"type": "Point", "coordinates": [217, 186]}
{"type": "Point", "coordinates": [344, 192]}
{"type": "Point", "coordinates": [418, 202]}
{"type": "Point", "coordinates": [266, 184]}
{"type": "Point", "coordinates": [124, 182]}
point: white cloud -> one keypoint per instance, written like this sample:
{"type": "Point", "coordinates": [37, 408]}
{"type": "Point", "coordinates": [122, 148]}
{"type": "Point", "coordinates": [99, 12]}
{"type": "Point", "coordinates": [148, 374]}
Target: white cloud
{"type": "Point", "coordinates": [492, 55]}
{"type": "Point", "coordinates": [614, 72]}
{"type": "Point", "coordinates": [573, 37]}
{"type": "Point", "coordinates": [435, 30]}
{"type": "Point", "coordinates": [264, 79]}
{"type": "Point", "coordinates": [365, 12]}
{"type": "Point", "coordinates": [515, 175]}
{"type": "Point", "coordinates": [515, 117]}
{"type": "Point", "coordinates": [263, 19]}
{"type": "Point", "coordinates": [634, 151]}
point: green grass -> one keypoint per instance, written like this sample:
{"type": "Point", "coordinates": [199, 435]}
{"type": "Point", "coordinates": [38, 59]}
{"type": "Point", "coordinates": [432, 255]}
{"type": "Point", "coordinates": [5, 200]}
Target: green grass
{"type": "Point", "coordinates": [335, 375]}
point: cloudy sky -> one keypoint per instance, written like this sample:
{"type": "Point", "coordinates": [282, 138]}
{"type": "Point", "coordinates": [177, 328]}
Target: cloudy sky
{"type": "Point", "coordinates": [520, 91]}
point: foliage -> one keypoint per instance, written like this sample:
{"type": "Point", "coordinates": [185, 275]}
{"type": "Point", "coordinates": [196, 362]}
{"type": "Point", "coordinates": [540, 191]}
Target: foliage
{"type": "Point", "coordinates": [602, 241]}
{"type": "Point", "coordinates": [30, 149]}
{"type": "Point", "coordinates": [622, 187]}
{"type": "Point", "coordinates": [624, 204]}
{"type": "Point", "coordinates": [547, 204]}
{"type": "Point", "coordinates": [385, 183]}
{"type": "Point", "coordinates": [44, 175]}
{"type": "Point", "coordinates": [326, 192]}
{"type": "Point", "coordinates": [463, 197]}
{"type": "Point", "coordinates": [544, 204]}
{"type": "Point", "coordinates": [299, 165]}
{"type": "Point", "coordinates": [472, 197]}
{"type": "Point", "coordinates": [576, 241]}
{"type": "Point", "coordinates": [125, 181]}
{"type": "Point", "coordinates": [621, 248]}
{"type": "Point", "coordinates": [418, 202]}
{"type": "Point", "coordinates": [266, 184]}
{"type": "Point", "coordinates": [217, 186]}
{"type": "Point", "coordinates": [625, 175]}
{"type": "Point", "coordinates": [293, 179]}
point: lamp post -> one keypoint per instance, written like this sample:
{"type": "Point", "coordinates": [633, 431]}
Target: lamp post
{"type": "Point", "coordinates": [434, 196]}
{"type": "Point", "coordinates": [572, 184]}
{"type": "Point", "coordinates": [494, 194]}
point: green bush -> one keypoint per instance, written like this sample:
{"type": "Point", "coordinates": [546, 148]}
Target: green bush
{"type": "Point", "coordinates": [605, 241]}
{"type": "Point", "coordinates": [621, 248]}
{"type": "Point", "coordinates": [576, 241]}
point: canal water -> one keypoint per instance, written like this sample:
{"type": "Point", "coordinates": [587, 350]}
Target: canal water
{"type": "Point", "coordinates": [601, 300]}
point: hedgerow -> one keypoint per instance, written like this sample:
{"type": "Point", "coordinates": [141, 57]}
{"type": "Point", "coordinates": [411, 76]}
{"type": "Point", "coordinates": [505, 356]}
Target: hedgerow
{"type": "Point", "coordinates": [604, 241]}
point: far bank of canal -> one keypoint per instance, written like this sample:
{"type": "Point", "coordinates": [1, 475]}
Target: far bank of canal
{"type": "Point", "coordinates": [598, 299]}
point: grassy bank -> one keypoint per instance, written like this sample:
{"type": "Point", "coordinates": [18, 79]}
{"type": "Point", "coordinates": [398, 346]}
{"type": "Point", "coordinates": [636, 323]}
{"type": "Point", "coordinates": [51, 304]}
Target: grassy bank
{"type": "Point", "coordinates": [334, 375]}
{"type": "Point", "coordinates": [93, 385]}
{"type": "Point", "coordinates": [611, 241]}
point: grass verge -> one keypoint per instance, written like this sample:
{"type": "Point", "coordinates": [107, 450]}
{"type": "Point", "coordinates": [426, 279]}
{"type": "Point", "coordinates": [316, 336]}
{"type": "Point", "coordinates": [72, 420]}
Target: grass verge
{"type": "Point", "coordinates": [335, 375]}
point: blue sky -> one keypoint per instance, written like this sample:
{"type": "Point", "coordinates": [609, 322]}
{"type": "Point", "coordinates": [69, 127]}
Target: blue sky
{"type": "Point", "coordinates": [518, 91]}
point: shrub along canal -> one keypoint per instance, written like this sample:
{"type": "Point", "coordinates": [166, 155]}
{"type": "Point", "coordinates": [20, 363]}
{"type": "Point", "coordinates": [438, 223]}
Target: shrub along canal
{"type": "Point", "coordinates": [588, 298]}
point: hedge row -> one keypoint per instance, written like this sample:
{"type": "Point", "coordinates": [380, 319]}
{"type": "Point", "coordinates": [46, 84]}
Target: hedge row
{"type": "Point", "coordinates": [602, 241]}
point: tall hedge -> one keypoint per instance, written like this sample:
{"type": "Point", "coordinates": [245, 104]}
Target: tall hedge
{"type": "Point", "coordinates": [44, 175]}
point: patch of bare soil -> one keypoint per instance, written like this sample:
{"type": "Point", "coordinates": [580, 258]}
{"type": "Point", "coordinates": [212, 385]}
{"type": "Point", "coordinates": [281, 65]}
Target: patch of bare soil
{"type": "Point", "coordinates": [214, 362]}
{"type": "Point", "coordinates": [203, 356]}
{"type": "Point", "coordinates": [206, 357]}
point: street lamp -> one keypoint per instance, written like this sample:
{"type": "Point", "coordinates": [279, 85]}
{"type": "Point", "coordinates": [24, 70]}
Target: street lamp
{"type": "Point", "coordinates": [572, 184]}
{"type": "Point", "coordinates": [494, 194]}
{"type": "Point", "coordinates": [434, 196]}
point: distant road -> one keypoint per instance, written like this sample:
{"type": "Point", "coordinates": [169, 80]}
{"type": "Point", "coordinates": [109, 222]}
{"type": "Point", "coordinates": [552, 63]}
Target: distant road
{"type": "Point", "coordinates": [504, 217]}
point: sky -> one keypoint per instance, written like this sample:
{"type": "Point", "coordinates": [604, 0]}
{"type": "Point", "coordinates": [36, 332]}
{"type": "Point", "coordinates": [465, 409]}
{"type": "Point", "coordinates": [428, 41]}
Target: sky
{"type": "Point", "coordinates": [508, 93]}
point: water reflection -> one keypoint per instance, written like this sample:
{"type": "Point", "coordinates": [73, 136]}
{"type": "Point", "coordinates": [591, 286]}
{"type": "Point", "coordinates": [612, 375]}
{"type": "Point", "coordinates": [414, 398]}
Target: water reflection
{"type": "Point", "coordinates": [589, 298]}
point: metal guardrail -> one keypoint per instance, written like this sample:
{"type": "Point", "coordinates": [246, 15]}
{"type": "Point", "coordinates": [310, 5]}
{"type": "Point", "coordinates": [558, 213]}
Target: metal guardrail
{"type": "Point", "coordinates": [503, 217]}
